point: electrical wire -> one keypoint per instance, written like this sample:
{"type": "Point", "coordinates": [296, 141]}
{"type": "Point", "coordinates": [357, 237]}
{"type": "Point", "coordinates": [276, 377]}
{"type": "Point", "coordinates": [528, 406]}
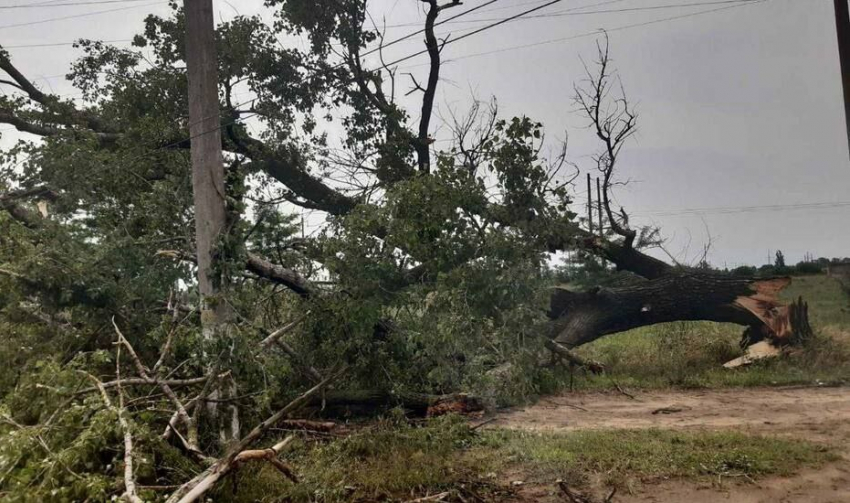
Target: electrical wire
{"type": "Point", "coordinates": [479, 30]}
{"type": "Point", "coordinates": [447, 20]}
{"type": "Point", "coordinates": [571, 12]}
{"type": "Point", "coordinates": [57, 44]}
{"type": "Point", "coordinates": [66, 4]}
{"type": "Point", "coordinates": [75, 16]}
{"type": "Point", "coordinates": [597, 32]}
{"type": "Point", "coordinates": [731, 210]}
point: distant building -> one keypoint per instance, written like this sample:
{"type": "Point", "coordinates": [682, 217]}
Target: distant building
{"type": "Point", "coordinates": [841, 270]}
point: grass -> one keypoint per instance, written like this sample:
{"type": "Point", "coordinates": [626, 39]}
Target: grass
{"type": "Point", "coordinates": [389, 460]}
{"type": "Point", "coordinates": [690, 354]}
{"type": "Point", "coordinates": [620, 455]}
{"type": "Point", "coordinates": [396, 462]}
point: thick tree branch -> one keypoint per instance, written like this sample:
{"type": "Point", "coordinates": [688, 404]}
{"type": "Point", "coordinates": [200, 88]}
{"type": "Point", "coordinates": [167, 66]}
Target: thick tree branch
{"type": "Point", "coordinates": [7, 117]}
{"type": "Point", "coordinates": [582, 317]}
{"type": "Point", "coordinates": [288, 166]}
{"type": "Point", "coordinates": [52, 104]}
{"type": "Point", "coordinates": [281, 275]}
{"type": "Point", "coordinates": [423, 142]}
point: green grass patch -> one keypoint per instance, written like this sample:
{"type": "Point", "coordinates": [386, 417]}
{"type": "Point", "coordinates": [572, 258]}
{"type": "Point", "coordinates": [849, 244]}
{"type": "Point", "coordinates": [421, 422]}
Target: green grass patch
{"type": "Point", "coordinates": [393, 461]}
{"type": "Point", "coordinates": [388, 461]}
{"type": "Point", "coordinates": [620, 455]}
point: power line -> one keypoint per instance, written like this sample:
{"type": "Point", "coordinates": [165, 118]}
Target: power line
{"type": "Point", "coordinates": [479, 30]}
{"type": "Point", "coordinates": [75, 16]}
{"type": "Point", "coordinates": [569, 12]}
{"type": "Point", "coordinates": [512, 6]}
{"type": "Point", "coordinates": [744, 3]}
{"type": "Point", "coordinates": [728, 210]}
{"type": "Point", "coordinates": [371, 51]}
{"type": "Point", "coordinates": [382, 46]}
{"type": "Point", "coordinates": [57, 44]}
{"type": "Point", "coordinates": [52, 4]}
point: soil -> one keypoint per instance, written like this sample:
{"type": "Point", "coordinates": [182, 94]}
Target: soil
{"type": "Point", "coordinates": [820, 414]}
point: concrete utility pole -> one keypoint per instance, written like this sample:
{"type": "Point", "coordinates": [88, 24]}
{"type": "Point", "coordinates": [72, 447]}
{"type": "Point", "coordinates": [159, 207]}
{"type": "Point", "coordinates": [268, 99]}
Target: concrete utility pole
{"type": "Point", "coordinates": [589, 206]}
{"type": "Point", "coordinates": [842, 29]}
{"type": "Point", "coordinates": [599, 207]}
{"type": "Point", "coordinates": [207, 160]}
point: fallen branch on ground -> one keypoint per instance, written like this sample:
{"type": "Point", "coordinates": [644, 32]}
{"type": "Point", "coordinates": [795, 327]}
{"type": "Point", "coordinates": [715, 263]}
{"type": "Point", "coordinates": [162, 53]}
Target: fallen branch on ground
{"type": "Point", "coordinates": [574, 359]}
{"type": "Point", "coordinates": [194, 489]}
{"type": "Point", "coordinates": [129, 476]}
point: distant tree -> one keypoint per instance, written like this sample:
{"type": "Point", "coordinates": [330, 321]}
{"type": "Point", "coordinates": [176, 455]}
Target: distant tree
{"type": "Point", "coordinates": [808, 268]}
{"type": "Point", "coordinates": [779, 262]}
{"type": "Point", "coordinates": [744, 271]}
{"type": "Point", "coordinates": [767, 270]}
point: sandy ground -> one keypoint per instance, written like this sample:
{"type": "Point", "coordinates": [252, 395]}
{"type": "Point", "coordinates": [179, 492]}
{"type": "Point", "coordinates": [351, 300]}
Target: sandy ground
{"type": "Point", "coordinates": [819, 414]}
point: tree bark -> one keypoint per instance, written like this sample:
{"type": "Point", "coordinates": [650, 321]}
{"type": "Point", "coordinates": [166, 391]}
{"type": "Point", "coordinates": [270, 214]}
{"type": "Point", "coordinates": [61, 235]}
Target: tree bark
{"type": "Point", "coordinates": [582, 317]}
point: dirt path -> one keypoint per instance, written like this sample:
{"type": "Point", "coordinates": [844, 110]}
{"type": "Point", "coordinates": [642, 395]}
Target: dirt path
{"type": "Point", "coordinates": [817, 414]}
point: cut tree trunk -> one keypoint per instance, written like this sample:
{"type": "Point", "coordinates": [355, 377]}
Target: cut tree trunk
{"type": "Point", "coordinates": [680, 295]}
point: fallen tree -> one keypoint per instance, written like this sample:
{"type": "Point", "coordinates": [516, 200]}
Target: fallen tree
{"type": "Point", "coordinates": [426, 277]}
{"type": "Point", "coordinates": [582, 317]}
{"type": "Point", "coordinates": [666, 293]}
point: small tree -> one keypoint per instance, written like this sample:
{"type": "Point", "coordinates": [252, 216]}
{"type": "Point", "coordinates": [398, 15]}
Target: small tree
{"type": "Point", "coordinates": [779, 262]}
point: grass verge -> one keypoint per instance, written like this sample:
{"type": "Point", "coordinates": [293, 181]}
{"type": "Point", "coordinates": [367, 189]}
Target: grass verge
{"type": "Point", "coordinates": [391, 461]}
{"type": "Point", "coordinates": [619, 456]}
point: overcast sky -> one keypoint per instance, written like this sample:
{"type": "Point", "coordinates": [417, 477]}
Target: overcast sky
{"type": "Point", "coordinates": [740, 109]}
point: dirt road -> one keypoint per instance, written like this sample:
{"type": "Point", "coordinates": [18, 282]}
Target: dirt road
{"type": "Point", "coordinates": [819, 414]}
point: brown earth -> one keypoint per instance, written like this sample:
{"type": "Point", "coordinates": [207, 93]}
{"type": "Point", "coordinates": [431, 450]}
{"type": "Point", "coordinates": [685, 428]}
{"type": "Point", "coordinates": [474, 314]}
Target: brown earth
{"type": "Point", "coordinates": [820, 414]}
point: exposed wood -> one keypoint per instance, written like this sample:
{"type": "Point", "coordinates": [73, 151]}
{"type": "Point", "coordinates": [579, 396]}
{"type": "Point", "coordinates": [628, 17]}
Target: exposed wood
{"type": "Point", "coordinates": [269, 455]}
{"type": "Point", "coordinates": [190, 442]}
{"type": "Point", "coordinates": [277, 334]}
{"type": "Point", "coordinates": [758, 351]}
{"type": "Point", "coordinates": [434, 497]}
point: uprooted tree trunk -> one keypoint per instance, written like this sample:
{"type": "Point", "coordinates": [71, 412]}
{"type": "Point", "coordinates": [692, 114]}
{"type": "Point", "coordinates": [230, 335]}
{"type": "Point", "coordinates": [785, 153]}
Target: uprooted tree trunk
{"type": "Point", "coordinates": [680, 295]}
